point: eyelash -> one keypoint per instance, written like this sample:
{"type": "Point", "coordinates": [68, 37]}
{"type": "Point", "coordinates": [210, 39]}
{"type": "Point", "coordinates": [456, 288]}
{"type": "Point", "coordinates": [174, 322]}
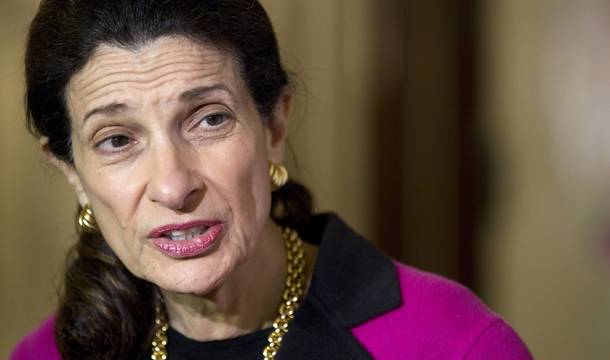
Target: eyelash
{"type": "Point", "coordinates": [205, 119]}
{"type": "Point", "coordinates": [109, 139]}
{"type": "Point", "coordinates": [225, 118]}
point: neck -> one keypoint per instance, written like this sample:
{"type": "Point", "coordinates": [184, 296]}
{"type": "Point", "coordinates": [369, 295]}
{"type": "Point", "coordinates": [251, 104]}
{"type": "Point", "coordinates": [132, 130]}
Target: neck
{"type": "Point", "coordinates": [247, 301]}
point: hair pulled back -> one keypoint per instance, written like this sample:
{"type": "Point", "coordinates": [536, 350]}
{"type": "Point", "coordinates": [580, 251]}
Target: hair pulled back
{"type": "Point", "coordinates": [106, 312]}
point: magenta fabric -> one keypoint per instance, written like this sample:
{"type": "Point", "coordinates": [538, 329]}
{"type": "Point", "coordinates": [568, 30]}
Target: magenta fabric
{"type": "Point", "coordinates": [439, 319]}
{"type": "Point", "coordinates": [39, 344]}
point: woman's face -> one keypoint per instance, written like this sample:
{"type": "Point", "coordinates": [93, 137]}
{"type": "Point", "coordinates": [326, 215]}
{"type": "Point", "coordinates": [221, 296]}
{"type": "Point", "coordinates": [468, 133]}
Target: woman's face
{"type": "Point", "coordinates": [169, 144]}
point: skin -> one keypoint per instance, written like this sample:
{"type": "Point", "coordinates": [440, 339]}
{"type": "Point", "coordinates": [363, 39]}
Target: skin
{"type": "Point", "coordinates": [151, 149]}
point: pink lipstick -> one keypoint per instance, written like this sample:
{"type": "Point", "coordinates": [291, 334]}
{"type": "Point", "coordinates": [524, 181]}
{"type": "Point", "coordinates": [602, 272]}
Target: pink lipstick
{"type": "Point", "coordinates": [188, 239]}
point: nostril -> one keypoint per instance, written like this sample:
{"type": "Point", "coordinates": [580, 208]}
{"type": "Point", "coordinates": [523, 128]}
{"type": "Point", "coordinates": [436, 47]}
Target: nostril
{"type": "Point", "coordinates": [192, 201]}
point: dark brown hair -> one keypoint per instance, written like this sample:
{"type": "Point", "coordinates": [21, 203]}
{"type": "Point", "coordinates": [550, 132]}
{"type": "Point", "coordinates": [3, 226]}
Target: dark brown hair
{"type": "Point", "coordinates": [105, 311]}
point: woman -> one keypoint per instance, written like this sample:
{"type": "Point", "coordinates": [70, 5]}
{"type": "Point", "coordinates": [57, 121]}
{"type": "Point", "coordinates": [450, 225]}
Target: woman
{"type": "Point", "coordinates": [169, 119]}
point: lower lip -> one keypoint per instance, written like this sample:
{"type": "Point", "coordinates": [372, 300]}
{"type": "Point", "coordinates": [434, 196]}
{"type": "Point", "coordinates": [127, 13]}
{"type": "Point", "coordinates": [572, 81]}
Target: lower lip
{"type": "Point", "coordinates": [190, 247]}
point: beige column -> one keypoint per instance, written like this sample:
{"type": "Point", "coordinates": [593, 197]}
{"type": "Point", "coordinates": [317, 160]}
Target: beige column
{"type": "Point", "coordinates": [326, 44]}
{"type": "Point", "coordinates": [36, 204]}
{"type": "Point", "coordinates": [545, 87]}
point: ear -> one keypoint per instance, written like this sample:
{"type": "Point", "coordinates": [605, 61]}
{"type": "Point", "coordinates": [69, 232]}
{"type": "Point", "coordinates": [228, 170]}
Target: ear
{"type": "Point", "coordinates": [67, 169]}
{"type": "Point", "coordinates": [276, 130]}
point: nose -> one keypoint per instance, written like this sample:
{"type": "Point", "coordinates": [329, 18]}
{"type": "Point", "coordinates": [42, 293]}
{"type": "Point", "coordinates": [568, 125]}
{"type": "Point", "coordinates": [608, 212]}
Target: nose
{"type": "Point", "coordinates": [173, 179]}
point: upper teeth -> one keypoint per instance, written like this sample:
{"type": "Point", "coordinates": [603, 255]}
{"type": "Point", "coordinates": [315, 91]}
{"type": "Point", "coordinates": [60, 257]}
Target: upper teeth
{"type": "Point", "coordinates": [185, 233]}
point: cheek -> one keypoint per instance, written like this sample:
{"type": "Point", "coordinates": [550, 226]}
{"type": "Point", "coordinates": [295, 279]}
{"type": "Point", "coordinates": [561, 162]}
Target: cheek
{"type": "Point", "coordinates": [248, 190]}
{"type": "Point", "coordinates": [114, 196]}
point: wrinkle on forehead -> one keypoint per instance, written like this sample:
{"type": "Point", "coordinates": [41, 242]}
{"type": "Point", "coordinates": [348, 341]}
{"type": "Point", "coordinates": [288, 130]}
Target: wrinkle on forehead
{"type": "Point", "coordinates": [151, 66]}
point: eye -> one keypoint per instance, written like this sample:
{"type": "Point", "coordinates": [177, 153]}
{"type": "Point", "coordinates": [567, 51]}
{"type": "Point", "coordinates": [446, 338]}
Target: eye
{"type": "Point", "coordinates": [215, 119]}
{"type": "Point", "coordinates": [211, 123]}
{"type": "Point", "coordinates": [115, 142]}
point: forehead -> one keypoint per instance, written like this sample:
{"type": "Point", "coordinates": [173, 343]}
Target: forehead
{"type": "Point", "coordinates": [114, 73]}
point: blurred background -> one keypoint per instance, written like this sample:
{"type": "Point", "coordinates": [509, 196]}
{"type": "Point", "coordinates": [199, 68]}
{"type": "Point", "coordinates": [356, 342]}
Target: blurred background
{"type": "Point", "coordinates": [469, 138]}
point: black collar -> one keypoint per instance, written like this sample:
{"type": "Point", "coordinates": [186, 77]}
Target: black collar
{"type": "Point", "coordinates": [351, 277]}
{"type": "Point", "coordinates": [352, 283]}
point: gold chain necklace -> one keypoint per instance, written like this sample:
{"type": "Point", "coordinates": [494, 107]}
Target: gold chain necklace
{"type": "Point", "coordinates": [295, 283]}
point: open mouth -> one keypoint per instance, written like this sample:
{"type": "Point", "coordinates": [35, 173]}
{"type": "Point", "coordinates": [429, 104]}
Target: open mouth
{"type": "Point", "coordinates": [186, 240]}
{"type": "Point", "coordinates": [185, 234]}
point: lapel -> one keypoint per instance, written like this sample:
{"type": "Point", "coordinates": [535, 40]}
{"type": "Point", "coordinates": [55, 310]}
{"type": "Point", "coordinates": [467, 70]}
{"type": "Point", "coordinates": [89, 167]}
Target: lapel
{"type": "Point", "coordinates": [352, 283]}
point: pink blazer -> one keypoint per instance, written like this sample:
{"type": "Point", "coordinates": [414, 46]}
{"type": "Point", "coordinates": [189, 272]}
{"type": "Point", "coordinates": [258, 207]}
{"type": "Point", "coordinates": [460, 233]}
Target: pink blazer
{"type": "Point", "coordinates": [362, 305]}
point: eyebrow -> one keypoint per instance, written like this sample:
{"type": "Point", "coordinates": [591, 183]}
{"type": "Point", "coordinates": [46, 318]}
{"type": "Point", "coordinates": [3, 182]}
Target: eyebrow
{"type": "Point", "coordinates": [110, 109]}
{"type": "Point", "coordinates": [186, 96]}
{"type": "Point", "coordinates": [204, 90]}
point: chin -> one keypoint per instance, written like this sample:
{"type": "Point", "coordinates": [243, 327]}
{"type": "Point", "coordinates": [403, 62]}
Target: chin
{"type": "Point", "coordinates": [193, 276]}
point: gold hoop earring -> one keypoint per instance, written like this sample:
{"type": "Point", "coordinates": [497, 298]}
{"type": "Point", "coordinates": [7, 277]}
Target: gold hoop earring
{"type": "Point", "coordinates": [279, 176]}
{"type": "Point", "coordinates": [86, 221]}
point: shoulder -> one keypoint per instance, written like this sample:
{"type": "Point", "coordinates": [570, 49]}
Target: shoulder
{"type": "Point", "coordinates": [39, 344]}
{"type": "Point", "coordinates": [439, 319]}
{"type": "Point", "coordinates": [395, 311]}
{"type": "Point", "coordinates": [432, 297]}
